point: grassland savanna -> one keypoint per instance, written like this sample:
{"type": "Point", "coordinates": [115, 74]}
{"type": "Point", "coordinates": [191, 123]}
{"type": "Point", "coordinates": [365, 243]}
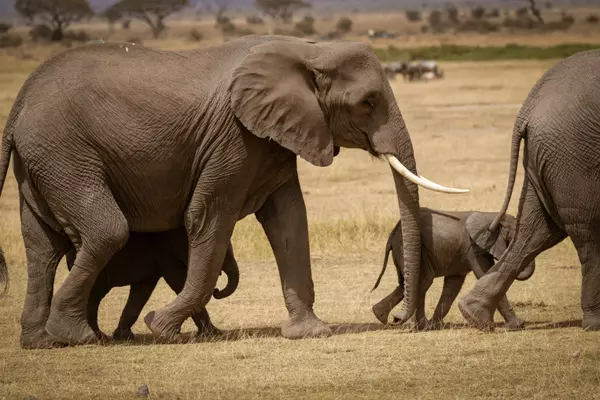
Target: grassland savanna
{"type": "Point", "coordinates": [461, 128]}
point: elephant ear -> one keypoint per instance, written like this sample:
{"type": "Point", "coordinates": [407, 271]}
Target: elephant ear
{"type": "Point", "coordinates": [477, 225]}
{"type": "Point", "coordinates": [273, 94]}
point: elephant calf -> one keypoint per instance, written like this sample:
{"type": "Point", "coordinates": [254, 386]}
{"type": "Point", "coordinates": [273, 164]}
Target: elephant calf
{"type": "Point", "coordinates": [448, 249]}
{"type": "Point", "coordinates": [145, 259]}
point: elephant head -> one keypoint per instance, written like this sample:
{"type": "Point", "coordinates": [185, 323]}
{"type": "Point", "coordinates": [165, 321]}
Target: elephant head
{"type": "Point", "coordinates": [497, 241]}
{"type": "Point", "coordinates": [312, 97]}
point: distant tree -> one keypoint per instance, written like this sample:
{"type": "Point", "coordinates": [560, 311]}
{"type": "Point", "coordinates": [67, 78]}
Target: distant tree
{"type": "Point", "coordinates": [536, 11]}
{"type": "Point", "coordinates": [56, 14]}
{"type": "Point", "coordinates": [478, 12]}
{"type": "Point", "coordinates": [344, 25]}
{"type": "Point", "coordinates": [112, 16]}
{"type": "Point", "coordinates": [493, 13]}
{"type": "Point", "coordinates": [452, 12]}
{"type": "Point", "coordinates": [435, 20]}
{"type": "Point", "coordinates": [592, 19]}
{"type": "Point", "coordinates": [306, 26]}
{"type": "Point", "coordinates": [4, 27]}
{"type": "Point", "coordinates": [281, 10]}
{"type": "Point", "coordinates": [152, 12]}
{"type": "Point", "coordinates": [219, 8]}
{"type": "Point", "coordinates": [413, 15]}
{"type": "Point", "coordinates": [522, 12]}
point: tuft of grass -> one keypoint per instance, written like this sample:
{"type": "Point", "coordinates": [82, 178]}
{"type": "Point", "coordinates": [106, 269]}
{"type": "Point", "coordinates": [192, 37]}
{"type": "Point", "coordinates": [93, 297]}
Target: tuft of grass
{"type": "Point", "coordinates": [450, 52]}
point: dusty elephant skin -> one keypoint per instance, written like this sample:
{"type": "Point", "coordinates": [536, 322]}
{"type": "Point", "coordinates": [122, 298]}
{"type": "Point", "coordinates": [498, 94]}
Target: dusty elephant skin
{"type": "Point", "coordinates": [450, 248]}
{"type": "Point", "coordinates": [145, 259]}
{"type": "Point", "coordinates": [218, 130]}
{"type": "Point", "coordinates": [560, 125]}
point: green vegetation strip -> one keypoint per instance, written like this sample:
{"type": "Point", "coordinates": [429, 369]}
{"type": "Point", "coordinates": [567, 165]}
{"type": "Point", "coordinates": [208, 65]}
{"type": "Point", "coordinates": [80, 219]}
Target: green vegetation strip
{"type": "Point", "coordinates": [481, 53]}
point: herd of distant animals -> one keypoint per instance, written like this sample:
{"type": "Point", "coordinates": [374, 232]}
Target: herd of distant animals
{"type": "Point", "coordinates": [413, 70]}
{"type": "Point", "coordinates": [96, 129]}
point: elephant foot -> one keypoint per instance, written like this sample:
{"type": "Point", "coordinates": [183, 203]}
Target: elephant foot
{"type": "Point", "coordinates": [123, 335]}
{"type": "Point", "coordinates": [435, 325]}
{"type": "Point", "coordinates": [477, 313]}
{"type": "Point", "coordinates": [309, 327]}
{"type": "Point", "coordinates": [381, 312]}
{"type": "Point", "coordinates": [101, 336]}
{"type": "Point", "coordinates": [515, 324]}
{"type": "Point", "coordinates": [591, 322]}
{"type": "Point", "coordinates": [69, 329]}
{"type": "Point", "coordinates": [160, 325]}
{"type": "Point", "coordinates": [39, 340]}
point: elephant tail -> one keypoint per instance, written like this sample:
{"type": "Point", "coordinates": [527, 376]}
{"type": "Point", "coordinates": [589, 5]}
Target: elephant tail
{"type": "Point", "coordinates": [3, 274]}
{"type": "Point", "coordinates": [388, 248]}
{"type": "Point", "coordinates": [7, 147]}
{"type": "Point", "coordinates": [518, 133]}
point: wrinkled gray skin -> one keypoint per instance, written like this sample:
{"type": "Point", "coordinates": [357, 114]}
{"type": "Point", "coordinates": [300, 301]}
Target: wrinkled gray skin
{"type": "Point", "coordinates": [447, 250]}
{"type": "Point", "coordinates": [145, 259]}
{"type": "Point", "coordinates": [96, 129]}
{"type": "Point", "coordinates": [560, 124]}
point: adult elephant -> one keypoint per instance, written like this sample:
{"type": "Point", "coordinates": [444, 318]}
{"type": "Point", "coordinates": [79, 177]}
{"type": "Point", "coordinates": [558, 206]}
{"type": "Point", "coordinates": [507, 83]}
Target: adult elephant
{"type": "Point", "coordinates": [560, 124]}
{"type": "Point", "coordinates": [96, 129]}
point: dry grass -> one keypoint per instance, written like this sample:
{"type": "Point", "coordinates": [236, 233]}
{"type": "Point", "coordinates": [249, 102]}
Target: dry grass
{"type": "Point", "coordinates": [460, 128]}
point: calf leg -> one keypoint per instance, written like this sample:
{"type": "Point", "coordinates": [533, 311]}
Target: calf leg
{"type": "Point", "coordinates": [139, 294]}
{"type": "Point", "coordinates": [452, 286]}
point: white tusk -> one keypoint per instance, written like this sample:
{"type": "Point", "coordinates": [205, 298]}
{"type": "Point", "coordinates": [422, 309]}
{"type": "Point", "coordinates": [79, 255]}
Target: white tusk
{"type": "Point", "coordinates": [419, 180]}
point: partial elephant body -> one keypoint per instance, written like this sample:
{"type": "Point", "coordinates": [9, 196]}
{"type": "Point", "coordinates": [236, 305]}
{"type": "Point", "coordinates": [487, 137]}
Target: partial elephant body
{"type": "Point", "coordinates": [449, 251]}
{"type": "Point", "coordinates": [145, 259]}
{"type": "Point", "coordinates": [96, 129]}
{"type": "Point", "coordinates": [560, 125]}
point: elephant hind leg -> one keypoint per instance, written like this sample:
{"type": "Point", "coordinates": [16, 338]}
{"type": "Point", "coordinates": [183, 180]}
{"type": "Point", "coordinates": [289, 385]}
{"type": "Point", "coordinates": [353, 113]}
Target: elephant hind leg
{"type": "Point", "coordinates": [139, 294]}
{"type": "Point", "coordinates": [586, 241]}
{"type": "Point", "coordinates": [43, 248]}
{"type": "Point", "coordinates": [535, 232]}
{"type": "Point", "coordinates": [452, 286]}
{"type": "Point", "coordinates": [95, 221]}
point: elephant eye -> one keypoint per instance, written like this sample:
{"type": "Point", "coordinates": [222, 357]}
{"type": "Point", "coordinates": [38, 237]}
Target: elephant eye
{"type": "Point", "coordinates": [367, 103]}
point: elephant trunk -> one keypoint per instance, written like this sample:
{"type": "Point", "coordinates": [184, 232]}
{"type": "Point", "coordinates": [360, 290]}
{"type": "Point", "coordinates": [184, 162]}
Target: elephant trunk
{"type": "Point", "coordinates": [230, 267]}
{"type": "Point", "coordinates": [527, 272]}
{"type": "Point", "coordinates": [3, 274]}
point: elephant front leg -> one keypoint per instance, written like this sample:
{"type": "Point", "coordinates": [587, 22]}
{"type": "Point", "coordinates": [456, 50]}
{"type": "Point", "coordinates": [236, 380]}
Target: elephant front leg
{"type": "Point", "coordinates": [209, 221]}
{"type": "Point", "coordinates": [283, 217]}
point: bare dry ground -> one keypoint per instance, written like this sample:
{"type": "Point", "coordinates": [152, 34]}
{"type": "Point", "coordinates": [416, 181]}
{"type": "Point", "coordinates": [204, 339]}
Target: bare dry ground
{"type": "Point", "coordinates": [460, 128]}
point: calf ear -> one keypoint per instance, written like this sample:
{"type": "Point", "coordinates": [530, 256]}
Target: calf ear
{"type": "Point", "coordinates": [477, 226]}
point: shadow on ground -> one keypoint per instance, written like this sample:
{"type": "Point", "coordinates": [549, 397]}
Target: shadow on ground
{"type": "Point", "coordinates": [338, 329]}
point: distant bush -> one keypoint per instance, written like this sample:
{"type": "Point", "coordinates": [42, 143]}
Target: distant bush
{"type": "Point", "coordinates": [126, 24]}
{"type": "Point", "coordinates": [592, 19]}
{"type": "Point", "coordinates": [4, 27]}
{"type": "Point", "coordinates": [522, 11]}
{"type": "Point", "coordinates": [77, 36]}
{"type": "Point", "coordinates": [477, 25]}
{"type": "Point", "coordinates": [10, 40]}
{"type": "Point", "coordinates": [227, 27]}
{"type": "Point", "coordinates": [254, 20]}
{"type": "Point", "coordinates": [196, 35]}
{"type": "Point", "coordinates": [413, 15]}
{"type": "Point", "coordinates": [478, 12]}
{"type": "Point", "coordinates": [483, 53]}
{"type": "Point", "coordinates": [344, 25]}
{"type": "Point", "coordinates": [452, 12]}
{"type": "Point", "coordinates": [306, 26]}
{"type": "Point", "coordinates": [493, 13]}
{"type": "Point", "coordinates": [40, 32]}
{"type": "Point", "coordinates": [567, 18]}
{"type": "Point", "coordinates": [557, 25]}
{"type": "Point", "coordinates": [525, 22]}
{"type": "Point", "coordinates": [244, 32]}
{"type": "Point", "coordinates": [222, 19]}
